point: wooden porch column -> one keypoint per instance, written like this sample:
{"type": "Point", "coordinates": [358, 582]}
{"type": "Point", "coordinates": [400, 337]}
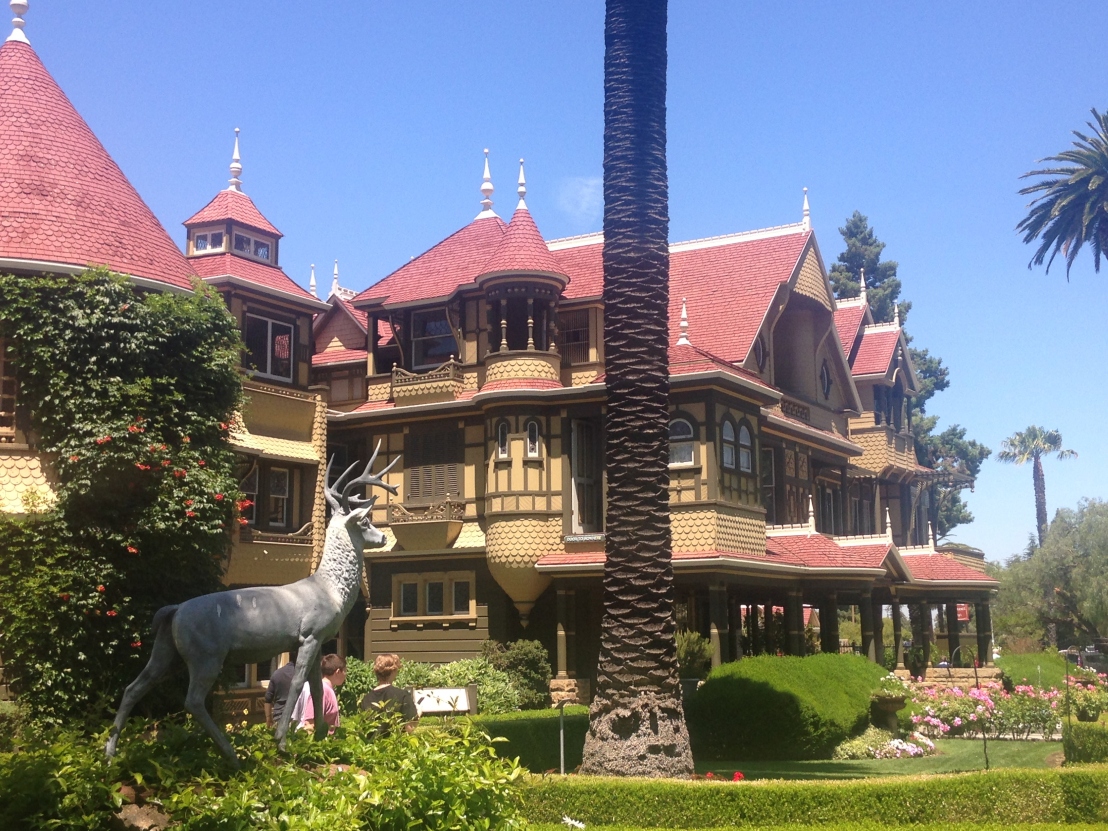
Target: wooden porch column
{"type": "Point", "coordinates": [878, 633]}
{"type": "Point", "coordinates": [771, 629]}
{"type": "Point", "coordinates": [794, 620]}
{"type": "Point", "coordinates": [755, 630]}
{"type": "Point", "coordinates": [984, 616]}
{"type": "Point", "coordinates": [928, 632]}
{"type": "Point", "coordinates": [829, 624]}
{"type": "Point", "coordinates": [953, 641]}
{"type": "Point", "coordinates": [898, 639]}
{"type": "Point", "coordinates": [565, 597]}
{"type": "Point", "coordinates": [503, 325]}
{"type": "Point", "coordinates": [719, 633]}
{"type": "Point", "coordinates": [865, 612]}
{"type": "Point", "coordinates": [735, 626]}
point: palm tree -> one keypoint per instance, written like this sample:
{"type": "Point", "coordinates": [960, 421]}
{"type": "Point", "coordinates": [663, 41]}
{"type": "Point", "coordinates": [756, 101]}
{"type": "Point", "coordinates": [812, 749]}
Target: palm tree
{"type": "Point", "coordinates": [1030, 446]}
{"type": "Point", "coordinates": [1073, 206]}
{"type": "Point", "coordinates": [637, 724]}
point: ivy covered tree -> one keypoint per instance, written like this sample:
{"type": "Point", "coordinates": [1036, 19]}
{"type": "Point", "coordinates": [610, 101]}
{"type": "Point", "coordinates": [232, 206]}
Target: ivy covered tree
{"type": "Point", "coordinates": [948, 450]}
{"type": "Point", "coordinates": [129, 396]}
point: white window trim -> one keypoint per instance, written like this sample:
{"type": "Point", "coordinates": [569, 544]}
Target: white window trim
{"type": "Point", "coordinates": [537, 452]}
{"type": "Point", "coordinates": [503, 447]}
{"type": "Point", "coordinates": [286, 499]}
{"type": "Point", "coordinates": [249, 254]}
{"type": "Point", "coordinates": [690, 441]}
{"type": "Point", "coordinates": [269, 348]}
{"type": "Point", "coordinates": [748, 447]}
{"type": "Point", "coordinates": [422, 580]}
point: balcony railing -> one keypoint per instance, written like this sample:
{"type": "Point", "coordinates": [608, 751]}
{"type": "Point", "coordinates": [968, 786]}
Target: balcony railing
{"type": "Point", "coordinates": [425, 528]}
{"type": "Point", "coordinates": [443, 383]}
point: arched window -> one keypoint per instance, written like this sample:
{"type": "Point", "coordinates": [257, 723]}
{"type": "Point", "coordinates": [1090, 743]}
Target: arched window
{"type": "Point", "coordinates": [532, 439]}
{"type": "Point", "coordinates": [825, 380]}
{"type": "Point", "coordinates": [746, 450]}
{"type": "Point", "coordinates": [680, 442]}
{"type": "Point", "coordinates": [728, 454]}
{"type": "Point", "coordinates": [502, 440]}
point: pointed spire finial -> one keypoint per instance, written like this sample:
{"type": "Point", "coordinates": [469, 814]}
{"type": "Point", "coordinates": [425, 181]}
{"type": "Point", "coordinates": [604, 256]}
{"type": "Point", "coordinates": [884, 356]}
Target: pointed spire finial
{"type": "Point", "coordinates": [931, 534]}
{"type": "Point", "coordinates": [522, 189]}
{"type": "Point", "coordinates": [888, 524]}
{"type": "Point", "coordinates": [236, 166]}
{"type": "Point", "coordinates": [862, 286]}
{"type": "Point", "coordinates": [683, 339]}
{"type": "Point", "coordinates": [806, 221]}
{"type": "Point", "coordinates": [811, 515]}
{"type": "Point", "coordinates": [335, 280]}
{"type": "Point", "coordinates": [311, 282]}
{"type": "Point", "coordinates": [486, 190]}
{"type": "Point", "coordinates": [19, 8]}
{"type": "Point", "coordinates": [896, 314]}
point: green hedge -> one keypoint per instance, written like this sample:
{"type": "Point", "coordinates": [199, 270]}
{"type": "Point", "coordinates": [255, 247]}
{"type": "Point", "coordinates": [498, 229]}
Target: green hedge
{"type": "Point", "coordinates": [773, 707]}
{"type": "Point", "coordinates": [1003, 796]}
{"type": "Point", "coordinates": [532, 736]}
{"type": "Point", "coordinates": [863, 826]}
{"type": "Point", "coordinates": [1085, 742]}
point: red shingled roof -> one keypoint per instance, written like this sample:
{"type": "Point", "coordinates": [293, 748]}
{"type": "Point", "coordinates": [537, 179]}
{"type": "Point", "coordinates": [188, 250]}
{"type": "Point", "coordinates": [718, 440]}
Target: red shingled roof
{"type": "Point", "coordinates": [521, 384]}
{"type": "Point", "coordinates": [819, 551]}
{"type": "Point", "coordinates": [939, 567]}
{"type": "Point", "coordinates": [455, 261]}
{"type": "Point", "coordinates": [875, 352]}
{"type": "Point", "coordinates": [360, 317]}
{"type": "Point", "coordinates": [235, 206]}
{"type": "Point", "coordinates": [523, 250]}
{"type": "Point", "coordinates": [848, 322]}
{"type": "Point", "coordinates": [62, 197]}
{"type": "Point", "coordinates": [268, 276]}
{"type": "Point", "coordinates": [747, 270]}
{"type": "Point", "coordinates": [339, 356]}
{"type": "Point", "coordinates": [686, 359]}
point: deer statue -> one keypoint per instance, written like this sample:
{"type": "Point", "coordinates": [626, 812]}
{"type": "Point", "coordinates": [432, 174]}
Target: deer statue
{"type": "Point", "coordinates": [245, 626]}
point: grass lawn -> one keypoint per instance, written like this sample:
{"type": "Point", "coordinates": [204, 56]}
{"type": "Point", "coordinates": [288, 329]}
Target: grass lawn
{"type": "Point", "coordinates": [954, 755]}
{"type": "Point", "coordinates": [851, 827]}
{"type": "Point", "coordinates": [1045, 669]}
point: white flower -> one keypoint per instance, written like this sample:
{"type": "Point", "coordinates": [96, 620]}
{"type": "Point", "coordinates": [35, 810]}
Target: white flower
{"type": "Point", "coordinates": [572, 823]}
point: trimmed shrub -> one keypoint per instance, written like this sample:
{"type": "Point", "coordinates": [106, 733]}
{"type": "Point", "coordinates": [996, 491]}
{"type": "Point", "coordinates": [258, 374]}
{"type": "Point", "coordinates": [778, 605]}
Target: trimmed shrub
{"type": "Point", "coordinates": [773, 707]}
{"type": "Point", "coordinates": [528, 665]}
{"type": "Point", "coordinates": [438, 777]}
{"type": "Point", "coordinates": [359, 680]}
{"type": "Point", "coordinates": [532, 736]}
{"type": "Point", "coordinates": [1085, 742]}
{"type": "Point", "coordinates": [1003, 796]}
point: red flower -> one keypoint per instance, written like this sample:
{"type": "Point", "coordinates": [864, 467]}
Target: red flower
{"type": "Point", "coordinates": [136, 644]}
{"type": "Point", "coordinates": [104, 440]}
{"type": "Point", "coordinates": [64, 595]}
{"type": "Point", "coordinates": [100, 589]}
{"type": "Point", "coordinates": [74, 458]}
{"type": "Point", "coordinates": [180, 473]}
{"type": "Point", "coordinates": [141, 466]}
{"type": "Point", "coordinates": [243, 504]}
{"type": "Point", "coordinates": [134, 428]}
{"type": "Point", "coordinates": [201, 463]}
{"type": "Point", "coordinates": [132, 550]}
{"type": "Point", "coordinates": [219, 497]}
{"type": "Point", "coordinates": [186, 439]}
{"type": "Point", "coordinates": [188, 501]}
{"type": "Point", "coordinates": [738, 777]}
{"type": "Point", "coordinates": [243, 521]}
{"type": "Point", "coordinates": [709, 775]}
{"type": "Point", "coordinates": [223, 425]}
{"type": "Point", "coordinates": [165, 462]}
{"type": "Point", "coordinates": [190, 513]}
{"type": "Point", "coordinates": [112, 613]}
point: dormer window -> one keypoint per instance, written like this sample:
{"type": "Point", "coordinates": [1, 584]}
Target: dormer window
{"type": "Point", "coordinates": [268, 347]}
{"type": "Point", "coordinates": [433, 340]}
{"type": "Point", "coordinates": [207, 242]}
{"type": "Point", "coordinates": [258, 248]}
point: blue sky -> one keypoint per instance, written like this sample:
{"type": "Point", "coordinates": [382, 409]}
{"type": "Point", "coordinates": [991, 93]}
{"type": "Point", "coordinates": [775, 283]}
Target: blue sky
{"type": "Point", "coordinates": [363, 125]}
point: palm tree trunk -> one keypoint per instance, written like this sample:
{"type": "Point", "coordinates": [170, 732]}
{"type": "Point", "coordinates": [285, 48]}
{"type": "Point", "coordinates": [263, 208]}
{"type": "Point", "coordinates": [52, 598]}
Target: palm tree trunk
{"type": "Point", "coordinates": [1040, 498]}
{"type": "Point", "coordinates": [637, 724]}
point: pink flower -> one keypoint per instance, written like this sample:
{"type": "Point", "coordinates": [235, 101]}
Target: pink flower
{"type": "Point", "coordinates": [738, 777]}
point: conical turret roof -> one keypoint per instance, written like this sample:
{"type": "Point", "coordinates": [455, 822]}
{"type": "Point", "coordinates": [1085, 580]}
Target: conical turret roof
{"type": "Point", "coordinates": [522, 250]}
{"type": "Point", "coordinates": [63, 200]}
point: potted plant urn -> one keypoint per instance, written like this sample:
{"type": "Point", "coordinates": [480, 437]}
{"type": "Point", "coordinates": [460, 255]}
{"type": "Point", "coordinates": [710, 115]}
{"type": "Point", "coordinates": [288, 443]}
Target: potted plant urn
{"type": "Point", "coordinates": [886, 701]}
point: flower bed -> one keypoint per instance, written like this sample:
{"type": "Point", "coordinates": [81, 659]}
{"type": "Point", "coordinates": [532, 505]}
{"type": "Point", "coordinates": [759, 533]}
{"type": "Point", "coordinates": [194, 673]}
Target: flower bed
{"type": "Point", "coordinates": [990, 709]}
{"type": "Point", "coordinates": [881, 744]}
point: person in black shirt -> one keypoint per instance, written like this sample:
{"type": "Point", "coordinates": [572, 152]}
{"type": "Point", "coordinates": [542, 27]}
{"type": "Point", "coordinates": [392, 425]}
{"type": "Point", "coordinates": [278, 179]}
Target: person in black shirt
{"type": "Point", "coordinates": [277, 693]}
{"type": "Point", "coordinates": [387, 697]}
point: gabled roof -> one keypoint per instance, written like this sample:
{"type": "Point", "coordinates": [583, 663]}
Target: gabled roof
{"type": "Point", "coordinates": [688, 359]}
{"type": "Point", "coordinates": [849, 320]}
{"type": "Point", "coordinates": [940, 568]}
{"type": "Point", "coordinates": [340, 356]}
{"type": "Point", "coordinates": [751, 265]}
{"type": "Point", "coordinates": [235, 206]}
{"type": "Point", "coordinates": [63, 200]}
{"type": "Point", "coordinates": [522, 250]}
{"type": "Point", "coordinates": [439, 271]}
{"type": "Point", "coordinates": [876, 351]}
{"type": "Point", "coordinates": [217, 268]}
{"type": "Point", "coordinates": [340, 306]}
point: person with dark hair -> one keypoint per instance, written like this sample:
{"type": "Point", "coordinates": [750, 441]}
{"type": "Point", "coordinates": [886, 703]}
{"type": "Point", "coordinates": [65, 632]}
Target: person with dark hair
{"type": "Point", "coordinates": [334, 674]}
{"type": "Point", "coordinates": [277, 692]}
{"type": "Point", "coordinates": [386, 696]}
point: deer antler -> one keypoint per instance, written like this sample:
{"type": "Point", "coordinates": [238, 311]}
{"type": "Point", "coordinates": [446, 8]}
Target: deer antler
{"type": "Point", "coordinates": [335, 497]}
{"type": "Point", "coordinates": [367, 478]}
